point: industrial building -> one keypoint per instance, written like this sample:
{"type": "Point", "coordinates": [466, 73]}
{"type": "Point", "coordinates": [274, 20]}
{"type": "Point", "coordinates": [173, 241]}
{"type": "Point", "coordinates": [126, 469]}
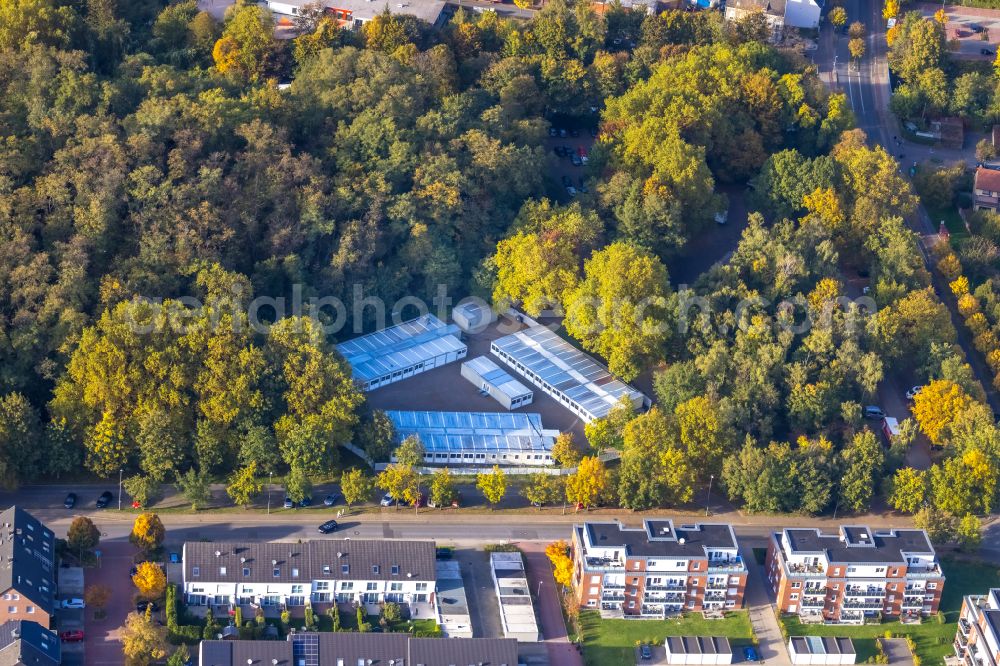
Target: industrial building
{"type": "Point", "coordinates": [562, 371]}
{"type": "Point", "coordinates": [821, 650]}
{"type": "Point", "coordinates": [698, 650]}
{"type": "Point", "coordinates": [510, 581]}
{"type": "Point", "coordinates": [401, 351]}
{"type": "Point", "coordinates": [472, 317]}
{"type": "Point", "coordinates": [478, 438]}
{"type": "Point", "coordinates": [496, 382]}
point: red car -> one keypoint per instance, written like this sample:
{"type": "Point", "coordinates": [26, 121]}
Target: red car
{"type": "Point", "coordinates": [72, 635]}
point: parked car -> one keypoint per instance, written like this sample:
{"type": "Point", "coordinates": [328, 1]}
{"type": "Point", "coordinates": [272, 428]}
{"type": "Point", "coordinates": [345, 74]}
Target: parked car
{"type": "Point", "coordinates": [328, 526]}
{"type": "Point", "coordinates": [70, 501]}
{"type": "Point", "coordinates": [289, 504]}
{"type": "Point", "coordinates": [975, 27]}
{"type": "Point", "coordinates": [306, 501]}
{"type": "Point", "coordinates": [570, 190]}
{"type": "Point", "coordinates": [141, 606]}
{"type": "Point", "coordinates": [331, 499]}
{"type": "Point", "coordinates": [72, 635]}
{"type": "Point", "coordinates": [577, 161]}
{"type": "Point", "coordinates": [104, 500]}
{"type": "Point", "coordinates": [444, 553]}
{"type": "Point", "coordinates": [387, 500]}
{"type": "Point", "coordinates": [986, 52]}
{"type": "Point", "coordinates": [454, 501]}
{"type": "Point", "coordinates": [574, 132]}
{"type": "Point", "coordinates": [583, 186]}
{"type": "Point", "coordinates": [74, 602]}
{"type": "Point", "coordinates": [750, 654]}
{"type": "Point", "coordinates": [912, 393]}
{"type": "Point", "coordinates": [874, 412]}
{"type": "Point", "coordinates": [562, 132]}
{"type": "Point", "coordinates": [644, 652]}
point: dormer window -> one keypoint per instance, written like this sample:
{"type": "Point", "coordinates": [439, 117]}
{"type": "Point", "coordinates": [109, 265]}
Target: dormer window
{"type": "Point", "coordinates": [375, 569]}
{"type": "Point", "coordinates": [246, 572]}
{"type": "Point", "coordinates": [276, 573]}
{"type": "Point", "coordinates": [395, 569]}
{"type": "Point", "coordinates": [345, 568]}
{"type": "Point", "coordinates": [222, 571]}
{"type": "Point", "coordinates": [195, 571]}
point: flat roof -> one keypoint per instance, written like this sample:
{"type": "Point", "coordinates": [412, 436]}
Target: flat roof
{"type": "Point", "coordinates": [474, 431]}
{"type": "Point", "coordinates": [495, 376]}
{"type": "Point", "coordinates": [401, 346]}
{"type": "Point", "coordinates": [821, 645]}
{"type": "Point", "coordinates": [451, 598]}
{"type": "Point", "coordinates": [659, 538]}
{"type": "Point", "coordinates": [427, 10]}
{"type": "Point", "coordinates": [858, 544]}
{"type": "Point", "coordinates": [698, 645]}
{"type": "Point", "coordinates": [567, 369]}
{"type": "Point", "coordinates": [517, 612]}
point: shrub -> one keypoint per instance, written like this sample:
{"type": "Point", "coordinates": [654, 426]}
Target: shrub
{"type": "Point", "coordinates": [238, 617]}
{"type": "Point", "coordinates": [949, 266]}
{"type": "Point", "coordinates": [960, 286]}
{"type": "Point", "coordinates": [286, 618]}
{"type": "Point", "coordinates": [968, 304]}
{"type": "Point", "coordinates": [334, 614]}
{"type": "Point", "coordinates": [501, 548]}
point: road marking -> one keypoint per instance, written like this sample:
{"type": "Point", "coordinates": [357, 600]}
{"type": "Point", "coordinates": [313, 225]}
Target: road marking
{"type": "Point", "coordinates": [861, 92]}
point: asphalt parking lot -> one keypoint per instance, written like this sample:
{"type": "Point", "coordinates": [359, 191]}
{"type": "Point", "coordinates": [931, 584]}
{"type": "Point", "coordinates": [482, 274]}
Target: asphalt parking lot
{"type": "Point", "coordinates": [969, 26]}
{"type": "Point", "coordinates": [484, 609]}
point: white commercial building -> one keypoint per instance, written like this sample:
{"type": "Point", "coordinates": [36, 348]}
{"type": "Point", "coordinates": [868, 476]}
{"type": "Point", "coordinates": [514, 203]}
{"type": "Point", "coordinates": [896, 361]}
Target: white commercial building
{"type": "Point", "coordinates": [698, 650]}
{"type": "Point", "coordinates": [517, 612]}
{"type": "Point", "coordinates": [494, 381]}
{"type": "Point", "coordinates": [576, 380]}
{"type": "Point", "coordinates": [277, 574]}
{"type": "Point", "coordinates": [802, 13]}
{"type": "Point", "coordinates": [478, 438]}
{"type": "Point", "coordinates": [354, 13]}
{"type": "Point", "coordinates": [472, 317]}
{"type": "Point", "coordinates": [401, 351]}
{"type": "Point", "coordinates": [821, 650]}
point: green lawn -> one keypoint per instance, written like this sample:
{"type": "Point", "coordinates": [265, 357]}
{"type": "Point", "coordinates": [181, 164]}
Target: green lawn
{"type": "Point", "coordinates": [952, 220]}
{"type": "Point", "coordinates": [611, 642]}
{"type": "Point", "coordinates": [933, 640]}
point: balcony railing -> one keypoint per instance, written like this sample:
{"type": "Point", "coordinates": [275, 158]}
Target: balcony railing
{"type": "Point", "coordinates": [715, 596]}
{"type": "Point", "coordinates": [813, 603]}
{"type": "Point", "coordinates": [735, 564]}
{"type": "Point", "coordinates": [933, 571]}
{"type": "Point", "coordinates": [614, 586]}
{"type": "Point", "coordinates": [963, 626]}
{"type": "Point", "coordinates": [864, 592]}
{"type": "Point", "coordinates": [666, 587]}
{"type": "Point", "coordinates": [868, 605]}
{"type": "Point", "coordinates": [594, 564]}
{"type": "Point", "coordinates": [717, 585]}
{"type": "Point", "coordinates": [802, 569]}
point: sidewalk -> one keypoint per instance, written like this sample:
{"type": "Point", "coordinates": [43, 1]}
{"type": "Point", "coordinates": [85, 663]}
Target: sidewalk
{"type": "Point", "coordinates": [561, 651]}
{"type": "Point", "coordinates": [765, 623]}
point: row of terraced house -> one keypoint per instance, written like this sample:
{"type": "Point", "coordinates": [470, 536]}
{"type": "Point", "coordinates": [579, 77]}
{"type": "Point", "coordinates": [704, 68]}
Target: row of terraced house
{"type": "Point", "coordinates": [661, 569]}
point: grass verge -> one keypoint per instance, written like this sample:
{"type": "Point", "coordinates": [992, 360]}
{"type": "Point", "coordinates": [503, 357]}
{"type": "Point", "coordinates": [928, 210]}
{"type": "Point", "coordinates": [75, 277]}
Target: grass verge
{"type": "Point", "coordinates": [611, 642]}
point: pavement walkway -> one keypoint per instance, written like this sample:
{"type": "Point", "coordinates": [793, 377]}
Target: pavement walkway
{"type": "Point", "coordinates": [548, 607]}
{"type": "Point", "coordinates": [765, 623]}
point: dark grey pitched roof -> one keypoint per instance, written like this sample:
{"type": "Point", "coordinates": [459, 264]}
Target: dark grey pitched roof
{"type": "Point", "coordinates": [856, 545]}
{"type": "Point", "coordinates": [27, 558]}
{"type": "Point", "coordinates": [245, 653]}
{"type": "Point", "coordinates": [379, 648]}
{"type": "Point", "coordinates": [661, 538]}
{"type": "Point", "coordinates": [311, 560]}
{"type": "Point", "coordinates": [28, 643]}
{"type": "Point", "coordinates": [455, 651]}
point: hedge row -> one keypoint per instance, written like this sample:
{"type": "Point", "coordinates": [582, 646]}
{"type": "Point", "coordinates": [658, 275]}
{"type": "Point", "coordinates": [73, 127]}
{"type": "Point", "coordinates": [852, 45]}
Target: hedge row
{"type": "Point", "coordinates": [984, 337]}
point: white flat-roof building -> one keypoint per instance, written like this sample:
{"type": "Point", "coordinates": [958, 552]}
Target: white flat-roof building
{"type": "Point", "coordinates": [821, 650]}
{"type": "Point", "coordinates": [493, 380]}
{"type": "Point", "coordinates": [453, 605]}
{"type": "Point", "coordinates": [354, 13]}
{"type": "Point", "coordinates": [403, 350]}
{"type": "Point", "coordinates": [576, 380]}
{"type": "Point", "coordinates": [472, 317]}
{"type": "Point", "coordinates": [478, 438]}
{"type": "Point", "coordinates": [517, 613]}
{"type": "Point", "coordinates": [698, 650]}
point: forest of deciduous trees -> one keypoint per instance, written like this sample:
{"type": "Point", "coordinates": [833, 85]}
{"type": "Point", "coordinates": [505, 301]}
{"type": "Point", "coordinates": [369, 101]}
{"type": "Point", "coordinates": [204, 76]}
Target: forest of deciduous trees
{"type": "Point", "coordinates": [149, 157]}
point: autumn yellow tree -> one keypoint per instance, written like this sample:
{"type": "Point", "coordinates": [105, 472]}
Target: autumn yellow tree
{"type": "Point", "coordinates": [890, 9]}
{"type": "Point", "coordinates": [143, 640]}
{"type": "Point", "coordinates": [562, 565]}
{"type": "Point", "coordinates": [150, 580]}
{"type": "Point", "coordinates": [565, 452]}
{"type": "Point", "coordinates": [493, 485]}
{"type": "Point", "coordinates": [591, 479]}
{"type": "Point", "coordinates": [937, 406]}
{"type": "Point", "coordinates": [400, 481]}
{"type": "Point", "coordinates": [147, 532]}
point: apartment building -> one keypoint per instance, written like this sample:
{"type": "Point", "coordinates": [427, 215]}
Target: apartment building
{"type": "Point", "coordinates": [27, 568]}
{"type": "Point", "coordinates": [977, 641]}
{"type": "Point", "coordinates": [855, 573]}
{"type": "Point", "coordinates": [26, 643]}
{"type": "Point", "coordinates": [278, 576]}
{"type": "Point", "coordinates": [657, 569]}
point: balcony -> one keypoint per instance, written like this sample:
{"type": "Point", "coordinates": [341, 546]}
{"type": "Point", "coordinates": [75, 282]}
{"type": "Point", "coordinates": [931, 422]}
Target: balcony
{"type": "Point", "coordinates": [667, 587]}
{"type": "Point", "coordinates": [715, 596]}
{"type": "Point", "coordinates": [614, 586]}
{"type": "Point", "coordinates": [864, 592]}
{"type": "Point", "coordinates": [803, 569]}
{"type": "Point", "coordinates": [612, 597]}
{"type": "Point", "coordinates": [864, 605]}
{"type": "Point", "coordinates": [717, 585]}
{"type": "Point", "coordinates": [814, 592]}
{"type": "Point", "coordinates": [813, 603]}
{"type": "Point", "coordinates": [600, 564]}
{"type": "Point", "coordinates": [732, 565]}
{"type": "Point", "coordinates": [913, 602]}
{"type": "Point", "coordinates": [963, 626]}
{"type": "Point", "coordinates": [933, 571]}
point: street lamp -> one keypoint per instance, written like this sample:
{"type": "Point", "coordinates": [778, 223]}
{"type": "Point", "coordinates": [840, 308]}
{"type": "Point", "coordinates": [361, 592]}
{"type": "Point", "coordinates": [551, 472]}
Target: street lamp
{"type": "Point", "coordinates": [120, 489]}
{"type": "Point", "coordinates": [269, 475]}
{"type": "Point", "coordinates": [538, 590]}
{"type": "Point", "coordinates": [711, 478]}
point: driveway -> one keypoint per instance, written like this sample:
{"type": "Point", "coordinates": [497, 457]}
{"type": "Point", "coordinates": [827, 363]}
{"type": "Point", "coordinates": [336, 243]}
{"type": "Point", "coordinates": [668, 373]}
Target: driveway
{"type": "Point", "coordinates": [548, 607]}
{"type": "Point", "coordinates": [102, 635]}
{"type": "Point", "coordinates": [765, 623]}
{"type": "Point", "coordinates": [484, 609]}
